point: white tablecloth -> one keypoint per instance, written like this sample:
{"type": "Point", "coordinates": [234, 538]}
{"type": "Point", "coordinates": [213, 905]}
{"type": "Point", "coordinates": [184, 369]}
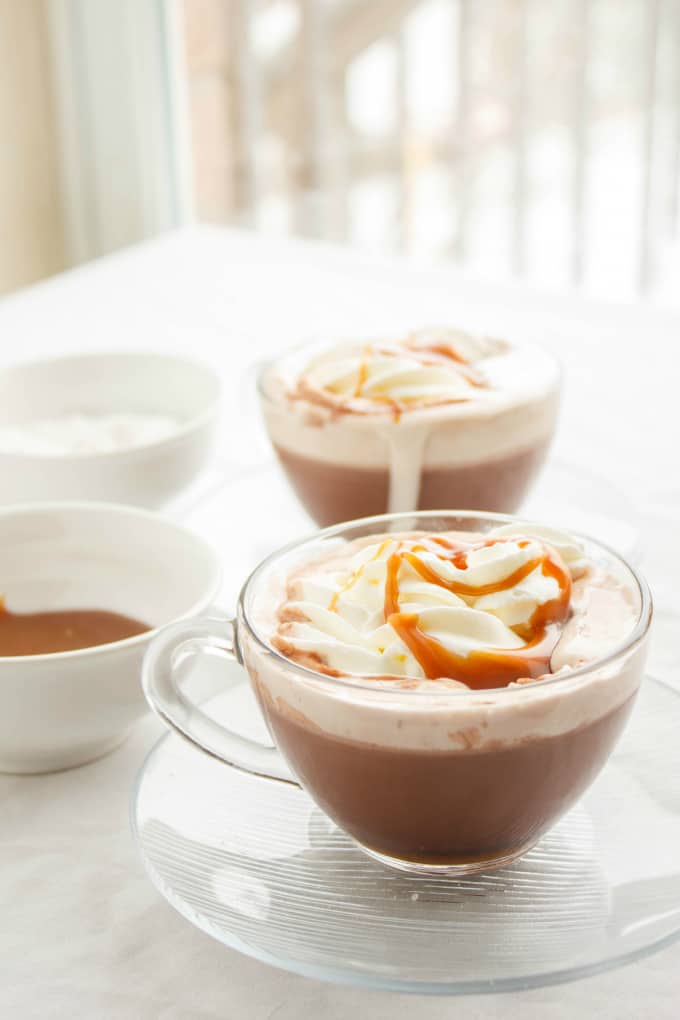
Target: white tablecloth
{"type": "Point", "coordinates": [82, 933]}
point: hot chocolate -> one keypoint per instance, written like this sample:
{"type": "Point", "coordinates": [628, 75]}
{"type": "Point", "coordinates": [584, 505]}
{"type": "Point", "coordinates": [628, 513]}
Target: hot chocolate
{"type": "Point", "coordinates": [448, 694]}
{"type": "Point", "coordinates": [435, 419]}
{"type": "Point", "coordinates": [447, 807]}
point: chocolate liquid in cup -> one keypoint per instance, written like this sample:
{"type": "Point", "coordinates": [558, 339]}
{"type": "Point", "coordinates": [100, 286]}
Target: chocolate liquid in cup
{"type": "Point", "coordinates": [442, 807]}
{"type": "Point", "coordinates": [333, 493]}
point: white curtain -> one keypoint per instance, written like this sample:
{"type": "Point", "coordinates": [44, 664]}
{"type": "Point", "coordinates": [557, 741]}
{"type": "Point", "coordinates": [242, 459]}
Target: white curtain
{"type": "Point", "coordinates": [121, 121]}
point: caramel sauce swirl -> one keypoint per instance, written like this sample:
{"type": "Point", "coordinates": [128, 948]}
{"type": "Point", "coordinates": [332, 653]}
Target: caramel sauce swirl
{"type": "Point", "coordinates": [482, 611]}
{"type": "Point", "coordinates": [419, 371]}
{"type": "Point", "coordinates": [482, 668]}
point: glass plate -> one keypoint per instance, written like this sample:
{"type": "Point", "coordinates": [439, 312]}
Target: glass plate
{"type": "Point", "coordinates": [256, 865]}
{"type": "Point", "coordinates": [260, 509]}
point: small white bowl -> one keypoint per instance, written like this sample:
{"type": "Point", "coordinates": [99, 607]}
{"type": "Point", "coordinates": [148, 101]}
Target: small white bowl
{"type": "Point", "coordinates": [145, 474]}
{"type": "Point", "coordinates": [67, 708]}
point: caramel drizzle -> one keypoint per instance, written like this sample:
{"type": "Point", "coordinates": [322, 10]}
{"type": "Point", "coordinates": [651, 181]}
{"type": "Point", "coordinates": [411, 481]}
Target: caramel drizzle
{"type": "Point", "coordinates": [359, 402]}
{"type": "Point", "coordinates": [437, 354]}
{"type": "Point", "coordinates": [361, 378]}
{"type": "Point", "coordinates": [446, 351]}
{"type": "Point", "coordinates": [396, 406]}
{"type": "Point", "coordinates": [483, 668]}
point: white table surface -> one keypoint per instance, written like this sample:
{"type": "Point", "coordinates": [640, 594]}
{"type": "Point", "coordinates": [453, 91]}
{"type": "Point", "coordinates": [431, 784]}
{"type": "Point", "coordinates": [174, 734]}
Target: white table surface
{"type": "Point", "coordinates": [82, 932]}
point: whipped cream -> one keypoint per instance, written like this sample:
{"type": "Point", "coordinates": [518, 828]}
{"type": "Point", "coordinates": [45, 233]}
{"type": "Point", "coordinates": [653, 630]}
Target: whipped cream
{"type": "Point", "coordinates": [86, 433]}
{"type": "Point", "coordinates": [480, 611]}
{"type": "Point", "coordinates": [424, 369]}
{"type": "Point", "coordinates": [427, 372]}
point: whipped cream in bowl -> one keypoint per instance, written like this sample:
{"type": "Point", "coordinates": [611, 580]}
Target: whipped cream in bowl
{"type": "Point", "coordinates": [127, 427]}
{"type": "Point", "coordinates": [444, 685]}
{"type": "Point", "coordinates": [436, 417]}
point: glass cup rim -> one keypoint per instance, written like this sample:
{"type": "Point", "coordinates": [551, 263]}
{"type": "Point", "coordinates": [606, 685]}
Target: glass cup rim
{"type": "Point", "coordinates": [636, 635]}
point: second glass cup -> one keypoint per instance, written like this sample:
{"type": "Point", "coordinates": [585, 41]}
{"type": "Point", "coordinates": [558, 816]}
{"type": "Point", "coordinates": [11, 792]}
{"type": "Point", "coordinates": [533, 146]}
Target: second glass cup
{"type": "Point", "coordinates": [411, 429]}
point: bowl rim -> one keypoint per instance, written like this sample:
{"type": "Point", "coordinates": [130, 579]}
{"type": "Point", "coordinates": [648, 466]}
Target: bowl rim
{"type": "Point", "coordinates": [183, 428]}
{"type": "Point", "coordinates": [118, 509]}
{"type": "Point", "coordinates": [630, 642]}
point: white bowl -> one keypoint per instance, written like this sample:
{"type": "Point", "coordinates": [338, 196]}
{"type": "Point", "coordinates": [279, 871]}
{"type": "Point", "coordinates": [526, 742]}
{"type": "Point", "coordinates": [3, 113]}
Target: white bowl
{"type": "Point", "coordinates": [66, 708]}
{"type": "Point", "coordinates": [148, 474]}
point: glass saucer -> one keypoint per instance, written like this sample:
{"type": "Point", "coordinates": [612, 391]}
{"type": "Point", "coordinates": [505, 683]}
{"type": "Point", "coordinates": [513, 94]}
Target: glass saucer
{"type": "Point", "coordinates": [255, 864]}
{"type": "Point", "coordinates": [260, 507]}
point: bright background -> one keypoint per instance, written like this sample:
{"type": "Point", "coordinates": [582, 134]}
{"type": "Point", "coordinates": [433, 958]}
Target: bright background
{"type": "Point", "coordinates": [528, 139]}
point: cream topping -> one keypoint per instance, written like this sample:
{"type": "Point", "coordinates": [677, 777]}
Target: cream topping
{"type": "Point", "coordinates": [483, 610]}
{"type": "Point", "coordinates": [426, 368]}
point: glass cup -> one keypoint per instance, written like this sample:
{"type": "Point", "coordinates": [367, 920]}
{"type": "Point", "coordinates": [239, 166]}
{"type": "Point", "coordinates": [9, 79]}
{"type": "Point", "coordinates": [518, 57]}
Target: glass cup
{"type": "Point", "coordinates": [427, 779]}
{"type": "Point", "coordinates": [467, 455]}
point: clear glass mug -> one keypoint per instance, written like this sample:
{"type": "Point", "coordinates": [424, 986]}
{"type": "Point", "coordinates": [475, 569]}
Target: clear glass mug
{"type": "Point", "coordinates": [467, 455]}
{"type": "Point", "coordinates": [426, 780]}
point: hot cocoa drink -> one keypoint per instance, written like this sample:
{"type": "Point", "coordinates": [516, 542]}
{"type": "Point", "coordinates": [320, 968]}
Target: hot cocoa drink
{"type": "Point", "coordinates": [439, 807]}
{"type": "Point", "coordinates": [438, 692]}
{"type": "Point", "coordinates": [433, 420]}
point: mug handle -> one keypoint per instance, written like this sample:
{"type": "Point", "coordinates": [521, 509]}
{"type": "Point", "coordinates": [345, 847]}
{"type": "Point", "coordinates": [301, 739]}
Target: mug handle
{"type": "Point", "coordinates": [161, 683]}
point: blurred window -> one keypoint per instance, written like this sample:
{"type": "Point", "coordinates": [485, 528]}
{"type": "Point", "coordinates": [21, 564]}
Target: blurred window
{"type": "Point", "coordinates": [529, 138]}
